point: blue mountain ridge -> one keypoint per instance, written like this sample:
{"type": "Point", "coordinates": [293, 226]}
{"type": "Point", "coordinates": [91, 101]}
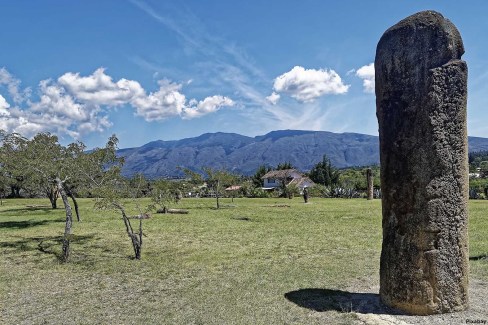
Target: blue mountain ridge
{"type": "Point", "coordinates": [243, 154]}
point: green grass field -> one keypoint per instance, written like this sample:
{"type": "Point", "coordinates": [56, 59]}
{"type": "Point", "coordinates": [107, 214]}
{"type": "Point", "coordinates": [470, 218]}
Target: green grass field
{"type": "Point", "coordinates": [235, 265]}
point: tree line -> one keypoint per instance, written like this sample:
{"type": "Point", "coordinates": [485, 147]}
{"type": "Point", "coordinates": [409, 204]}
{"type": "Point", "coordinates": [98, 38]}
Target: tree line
{"type": "Point", "coordinates": [42, 166]}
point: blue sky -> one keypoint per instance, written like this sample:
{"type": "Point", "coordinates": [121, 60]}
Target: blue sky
{"type": "Point", "coordinates": [148, 70]}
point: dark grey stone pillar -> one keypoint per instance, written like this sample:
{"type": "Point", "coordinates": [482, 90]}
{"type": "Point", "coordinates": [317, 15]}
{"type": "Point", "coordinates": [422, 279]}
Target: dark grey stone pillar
{"type": "Point", "coordinates": [369, 182]}
{"type": "Point", "coordinates": [421, 93]}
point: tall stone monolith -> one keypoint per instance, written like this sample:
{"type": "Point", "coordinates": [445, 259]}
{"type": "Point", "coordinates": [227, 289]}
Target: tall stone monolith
{"type": "Point", "coordinates": [369, 183]}
{"type": "Point", "coordinates": [421, 93]}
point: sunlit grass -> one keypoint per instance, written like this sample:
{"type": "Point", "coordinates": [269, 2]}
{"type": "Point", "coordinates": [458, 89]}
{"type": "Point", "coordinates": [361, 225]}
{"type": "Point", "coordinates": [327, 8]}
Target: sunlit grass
{"type": "Point", "coordinates": [227, 266]}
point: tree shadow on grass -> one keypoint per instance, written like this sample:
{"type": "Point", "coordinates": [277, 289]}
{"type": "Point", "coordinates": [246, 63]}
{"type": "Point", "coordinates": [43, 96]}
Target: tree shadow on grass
{"type": "Point", "coordinates": [33, 209]}
{"type": "Point", "coordinates": [322, 300]}
{"type": "Point", "coordinates": [479, 257]}
{"type": "Point", "coordinates": [26, 223]}
{"type": "Point", "coordinates": [46, 244]}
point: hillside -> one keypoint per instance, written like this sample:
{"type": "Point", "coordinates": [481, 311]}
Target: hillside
{"type": "Point", "coordinates": [244, 154]}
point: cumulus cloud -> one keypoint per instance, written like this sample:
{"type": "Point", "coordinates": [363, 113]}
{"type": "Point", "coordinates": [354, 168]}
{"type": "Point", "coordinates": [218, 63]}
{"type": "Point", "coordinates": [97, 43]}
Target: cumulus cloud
{"type": "Point", "coordinates": [99, 89]}
{"type": "Point", "coordinates": [76, 105]}
{"type": "Point", "coordinates": [273, 98]}
{"type": "Point", "coordinates": [306, 85]}
{"type": "Point", "coordinates": [56, 111]}
{"type": "Point", "coordinates": [168, 101]}
{"type": "Point", "coordinates": [367, 74]}
{"type": "Point", "coordinates": [55, 101]}
{"type": "Point", "coordinates": [206, 106]}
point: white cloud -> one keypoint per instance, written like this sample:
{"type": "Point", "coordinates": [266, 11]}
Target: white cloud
{"type": "Point", "coordinates": [55, 101]}
{"type": "Point", "coordinates": [306, 85]}
{"type": "Point", "coordinates": [76, 105]}
{"type": "Point", "coordinates": [3, 106]}
{"type": "Point", "coordinates": [13, 86]}
{"type": "Point", "coordinates": [168, 101]}
{"type": "Point", "coordinates": [55, 111]}
{"type": "Point", "coordinates": [273, 98]}
{"type": "Point", "coordinates": [367, 74]}
{"type": "Point", "coordinates": [206, 106]}
{"type": "Point", "coordinates": [99, 89]}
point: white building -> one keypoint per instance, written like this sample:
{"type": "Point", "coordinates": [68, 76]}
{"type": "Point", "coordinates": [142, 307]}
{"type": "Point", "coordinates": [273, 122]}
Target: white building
{"type": "Point", "coordinates": [275, 178]}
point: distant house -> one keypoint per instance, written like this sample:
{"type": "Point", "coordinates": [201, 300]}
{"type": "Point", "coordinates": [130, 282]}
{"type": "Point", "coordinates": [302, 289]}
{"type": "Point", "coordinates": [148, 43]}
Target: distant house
{"type": "Point", "coordinates": [275, 178]}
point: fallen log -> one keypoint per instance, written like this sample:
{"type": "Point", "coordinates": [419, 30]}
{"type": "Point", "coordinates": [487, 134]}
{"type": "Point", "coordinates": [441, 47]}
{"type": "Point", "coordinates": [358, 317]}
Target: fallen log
{"type": "Point", "coordinates": [174, 211]}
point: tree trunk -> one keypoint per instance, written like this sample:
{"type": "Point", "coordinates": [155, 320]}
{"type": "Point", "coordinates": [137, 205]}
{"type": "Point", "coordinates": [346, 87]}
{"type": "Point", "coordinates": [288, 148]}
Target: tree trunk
{"type": "Point", "coordinates": [52, 194]}
{"type": "Point", "coordinates": [75, 203]}
{"type": "Point", "coordinates": [69, 220]}
{"type": "Point", "coordinates": [138, 252]}
{"type": "Point", "coordinates": [15, 191]}
{"type": "Point", "coordinates": [136, 239]}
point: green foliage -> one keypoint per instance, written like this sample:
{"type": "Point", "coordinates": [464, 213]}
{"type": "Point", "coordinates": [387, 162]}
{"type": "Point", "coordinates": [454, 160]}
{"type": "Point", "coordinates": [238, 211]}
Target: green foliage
{"type": "Point", "coordinates": [291, 190]}
{"type": "Point", "coordinates": [193, 177]}
{"type": "Point", "coordinates": [112, 191]}
{"type": "Point", "coordinates": [258, 192]}
{"type": "Point", "coordinates": [478, 184]}
{"type": "Point", "coordinates": [284, 165]}
{"type": "Point", "coordinates": [257, 177]}
{"type": "Point", "coordinates": [165, 192]}
{"type": "Point", "coordinates": [143, 186]}
{"type": "Point", "coordinates": [319, 190]}
{"type": "Point", "coordinates": [475, 158]}
{"type": "Point", "coordinates": [355, 178]}
{"type": "Point", "coordinates": [217, 180]}
{"type": "Point", "coordinates": [324, 173]}
{"type": "Point", "coordinates": [11, 162]}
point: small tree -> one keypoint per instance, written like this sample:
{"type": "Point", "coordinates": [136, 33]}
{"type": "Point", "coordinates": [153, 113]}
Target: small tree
{"type": "Point", "coordinates": [112, 193]}
{"type": "Point", "coordinates": [164, 192]}
{"type": "Point", "coordinates": [111, 189]}
{"type": "Point", "coordinates": [217, 180]}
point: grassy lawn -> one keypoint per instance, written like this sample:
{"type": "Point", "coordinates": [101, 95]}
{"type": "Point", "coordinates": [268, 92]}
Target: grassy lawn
{"type": "Point", "coordinates": [235, 265]}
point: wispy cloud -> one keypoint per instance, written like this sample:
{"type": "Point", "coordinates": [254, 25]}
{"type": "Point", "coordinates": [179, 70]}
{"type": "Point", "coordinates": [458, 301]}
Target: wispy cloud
{"type": "Point", "coordinates": [228, 66]}
{"type": "Point", "coordinates": [167, 21]}
{"type": "Point", "coordinates": [13, 86]}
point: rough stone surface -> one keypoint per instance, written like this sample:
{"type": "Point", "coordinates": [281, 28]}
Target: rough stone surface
{"type": "Point", "coordinates": [421, 93]}
{"type": "Point", "coordinates": [369, 181]}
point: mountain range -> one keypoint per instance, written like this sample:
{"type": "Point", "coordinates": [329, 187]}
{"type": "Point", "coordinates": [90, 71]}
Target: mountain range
{"type": "Point", "coordinates": [242, 154]}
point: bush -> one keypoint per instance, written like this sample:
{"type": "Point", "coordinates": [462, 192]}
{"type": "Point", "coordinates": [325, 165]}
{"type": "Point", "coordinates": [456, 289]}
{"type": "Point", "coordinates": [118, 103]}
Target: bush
{"type": "Point", "coordinates": [258, 192]}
